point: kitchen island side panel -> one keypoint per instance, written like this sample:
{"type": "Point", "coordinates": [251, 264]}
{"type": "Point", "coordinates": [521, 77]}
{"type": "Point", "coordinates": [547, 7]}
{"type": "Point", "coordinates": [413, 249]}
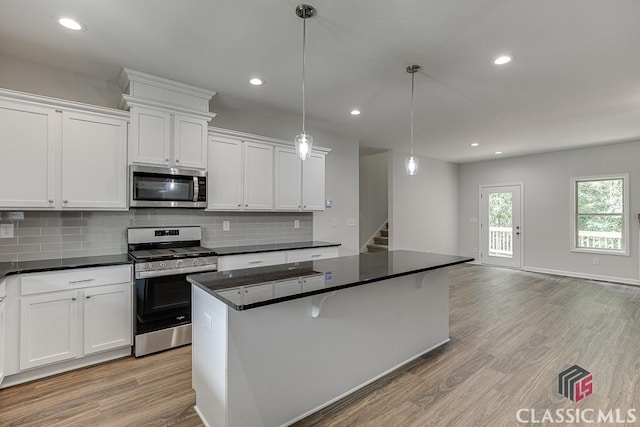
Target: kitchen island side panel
{"type": "Point", "coordinates": [283, 364]}
{"type": "Point", "coordinates": [209, 357]}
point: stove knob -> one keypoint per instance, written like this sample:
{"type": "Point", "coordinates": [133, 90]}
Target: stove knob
{"type": "Point", "coordinates": [162, 265]}
{"type": "Point", "coordinates": [179, 263]}
{"type": "Point", "coordinates": [205, 261]}
{"type": "Point", "coordinates": [195, 262]}
{"type": "Point", "coordinates": [150, 266]}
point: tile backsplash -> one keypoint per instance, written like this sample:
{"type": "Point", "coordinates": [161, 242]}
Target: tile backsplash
{"type": "Point", "coordinates": [52, 235]}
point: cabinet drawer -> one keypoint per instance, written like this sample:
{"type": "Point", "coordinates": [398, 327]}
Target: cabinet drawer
{"type": "Point", "coordinates": [38, 283]}
{"type": "Point", "coordinates": [261, 259]}
{"type": "Point", "coordinates": [312, 254]}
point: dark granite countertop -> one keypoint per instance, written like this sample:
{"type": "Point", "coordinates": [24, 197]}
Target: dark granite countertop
{"type": "Point", "coordinates": [9, 268]}
{"type": "Point", "coordinates": [323, 275]}
{"type": "Point", "coordinates": [239, 250]}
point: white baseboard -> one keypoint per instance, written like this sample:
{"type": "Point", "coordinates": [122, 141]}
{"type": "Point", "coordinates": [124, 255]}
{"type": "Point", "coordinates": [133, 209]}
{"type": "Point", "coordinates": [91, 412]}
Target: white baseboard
{"type": "Point", "coordinates": [598, 277]}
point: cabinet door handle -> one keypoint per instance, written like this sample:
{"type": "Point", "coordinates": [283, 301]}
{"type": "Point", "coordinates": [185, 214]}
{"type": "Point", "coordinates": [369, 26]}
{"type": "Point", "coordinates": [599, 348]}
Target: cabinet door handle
{"type": "Point", "coordinates": [50, 200]}
{"type": "Point", "coordinates": [177, 161]}
{"type": "Point", "coordinates": [239, 205]}
{"type": "Point", "coordinates": [166, 160]}
{"type": "Point", "coordinates": [88, 296]}
{"type": "Point", "coordinates": [2, 299]}
{"type": "Point", "coordinates": [73, 298]}
{"type": "Point", "coordinates": [246, 206]}
{"type": "Point", "coordinates": [65, 201]}
{"type": "Point", "coordinates": [305, 206]}
{"type": "Point", "coordinates": [316, 255]}
{"type": "Point", "coordinates": [255, 262]}
{"type": "Point", "coordinates": [81, 281]}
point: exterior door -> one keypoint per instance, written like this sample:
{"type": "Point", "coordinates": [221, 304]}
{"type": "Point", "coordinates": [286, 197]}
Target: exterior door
{"type": "Point", "coordinates": [501, 225]}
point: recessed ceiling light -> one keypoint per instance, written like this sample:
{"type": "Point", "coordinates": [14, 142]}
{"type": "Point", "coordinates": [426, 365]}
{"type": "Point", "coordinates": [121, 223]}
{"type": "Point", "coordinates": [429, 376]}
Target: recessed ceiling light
{"type": "Point", "coordinates": [71, 23]}
{"type": "Point", "coordinates": [474, 144]}
{"type": "Point", "coordinates": [256, 81]}
{"type": "Point", "coordinates": [498, 152]}
{"type": "Point", "coordinates": [355, 112]}
{"type": "Point", "coordinates": [504, 59]}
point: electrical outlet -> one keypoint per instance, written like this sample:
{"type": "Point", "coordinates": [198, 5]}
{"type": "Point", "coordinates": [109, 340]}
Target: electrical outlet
{"type": "Point", "coordinates": [296, 223]}
{"type": "Point", "coordinates": [6, 231]}
{"type": "Point", "coordinates": [207, 322]}
{"type": "Point", "coordinates": [226, 226]}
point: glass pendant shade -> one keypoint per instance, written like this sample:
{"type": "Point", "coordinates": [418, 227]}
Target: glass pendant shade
{"type": "Point", "coordinates": [304, 144]}
{"type": "Point", "coordinates": [411, 165]}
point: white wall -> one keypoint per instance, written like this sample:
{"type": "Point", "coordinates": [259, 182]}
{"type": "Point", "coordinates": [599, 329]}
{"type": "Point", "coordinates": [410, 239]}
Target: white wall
{"type": "Point", "coordinates": [24, 76]}
{"type": "Point", "coordinates": [341, 163]}
{"type": "Point", "coordinates": [374, 194]}
{"type": "Point", "coordinates": [423, 209]}
{"type": "Point", "coordinates": [547, 206]}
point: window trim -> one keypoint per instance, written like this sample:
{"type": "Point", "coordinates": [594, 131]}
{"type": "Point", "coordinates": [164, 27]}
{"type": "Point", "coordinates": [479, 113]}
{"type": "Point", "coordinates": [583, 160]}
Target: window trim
{"type": "Point", "coordinates": [625, 214]}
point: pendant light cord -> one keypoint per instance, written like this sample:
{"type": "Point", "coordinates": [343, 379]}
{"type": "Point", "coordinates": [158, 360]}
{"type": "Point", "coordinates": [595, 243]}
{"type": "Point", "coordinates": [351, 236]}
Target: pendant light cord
{"type": "Point", "coordinates": [412, 80]}
{"type": "Point", "coordinates": [304, 42]}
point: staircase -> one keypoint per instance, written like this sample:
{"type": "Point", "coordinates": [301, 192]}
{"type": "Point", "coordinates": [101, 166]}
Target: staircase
{"type": "Point", "coordinates": [380, 242]}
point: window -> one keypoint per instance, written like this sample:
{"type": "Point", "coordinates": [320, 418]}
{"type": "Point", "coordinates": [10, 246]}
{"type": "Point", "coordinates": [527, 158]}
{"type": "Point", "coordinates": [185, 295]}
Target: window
{"type": "Point", "coordinates": [600, 210]}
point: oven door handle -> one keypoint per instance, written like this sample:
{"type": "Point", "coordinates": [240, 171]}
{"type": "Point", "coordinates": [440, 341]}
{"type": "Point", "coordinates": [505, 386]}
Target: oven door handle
{"type": "Point", "coordinates": [196, 189]}
{"type": "Point", "coordinates": [175, 271]}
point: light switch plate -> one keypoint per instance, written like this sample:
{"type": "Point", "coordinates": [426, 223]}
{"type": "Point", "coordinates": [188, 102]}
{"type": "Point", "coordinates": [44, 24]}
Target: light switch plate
{"type": "Point", "coordinates": [6, 231]}
{"type": "Point", "coordinates": [207, 322]}
{"type": "Point", "coordinates": [329, 204]}
{"type": "Point", "coordinates": [226, 225]}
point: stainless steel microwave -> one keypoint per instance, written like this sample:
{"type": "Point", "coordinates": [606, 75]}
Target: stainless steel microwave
{"type": "Point", "coordinates": [158, 187]}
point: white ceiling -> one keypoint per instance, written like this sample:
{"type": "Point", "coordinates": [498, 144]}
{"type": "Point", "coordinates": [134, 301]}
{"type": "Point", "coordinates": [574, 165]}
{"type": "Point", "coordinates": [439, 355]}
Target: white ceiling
{"type": "Point", "coordinates": [575, 80]}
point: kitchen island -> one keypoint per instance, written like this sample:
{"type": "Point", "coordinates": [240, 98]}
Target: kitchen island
{"type": "Point", "coordinates": [272, 345]}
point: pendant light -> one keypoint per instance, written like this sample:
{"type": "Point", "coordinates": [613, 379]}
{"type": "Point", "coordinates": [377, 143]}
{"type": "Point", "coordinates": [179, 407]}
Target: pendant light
{"type": "Point", "coordinates": [304, 141]}
{"type": "Point", "coordinates": [411, 162]}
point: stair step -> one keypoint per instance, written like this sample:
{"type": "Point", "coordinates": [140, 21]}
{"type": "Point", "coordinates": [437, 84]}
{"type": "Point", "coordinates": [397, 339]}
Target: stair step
{"type": "Point", "coordinates": [377, 248]}
{"type": "Point", "coordinates": [381, 241]}
{"type": "Point", "coordinates": [384, 233]}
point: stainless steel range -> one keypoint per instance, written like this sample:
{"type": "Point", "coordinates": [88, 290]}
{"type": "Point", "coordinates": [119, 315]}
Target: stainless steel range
{"type": "Point", "coordinates": [163, 257]}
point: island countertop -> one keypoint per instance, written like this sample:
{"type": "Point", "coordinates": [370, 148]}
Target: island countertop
{"type": "Point", "coordinates": [315, 277]}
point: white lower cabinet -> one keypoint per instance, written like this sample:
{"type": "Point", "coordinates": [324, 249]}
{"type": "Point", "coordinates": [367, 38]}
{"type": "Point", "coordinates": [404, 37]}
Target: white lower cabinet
{"type": "Point", "coordinates": [3, 317]}
{"type": "Point", "coordinates": [48, 328]}
{"type": "Point", "coordinates": [74, 313]}
{"type": "Point", "coordinates": [257, 293]}
{"type": "Point", "coordinates": [107, 302]}
{"type": "Point", "coordinates": [312, 254]}
{"type": "Point", "coordinates": [262, 259]}
{"type": "Point", "coordinates": [286, 287]}
{"type": "Point", "coordinates": [258, 259]}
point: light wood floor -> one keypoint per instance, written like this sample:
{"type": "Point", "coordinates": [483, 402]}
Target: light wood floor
{"type": "Point", "coordinates": [512, 332]}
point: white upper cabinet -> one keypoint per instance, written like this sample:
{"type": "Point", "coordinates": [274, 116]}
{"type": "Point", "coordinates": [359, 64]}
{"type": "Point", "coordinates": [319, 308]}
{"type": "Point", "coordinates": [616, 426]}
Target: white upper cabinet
{"type": "Point", "coordinates": [299, 185]}
{"type": "Point", "coordinates": [190, 142]}
{"type": "Point", "coordinates": [288, 179]}
{"type": "Point", "coordinates": [94, 161]}
{"type": "Point", "coordinates": [224, 182]}
{"type": "Point", "coordinates": [28, 170]}
{"type": "Point", "coordinates": [168, 120]}
{"type": "Point", "coordinates": [250, 172]}
{"type": "Point", "coordinates": [258, 176]}
{"type": "Point", "coordinates": [151, 131]}
{"type": "Point", "coordinates": [57, 156]}
{"type": "Point", "coordinates": [313, 183]}
{"type": "Point", "coordinates": [159, 137]}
